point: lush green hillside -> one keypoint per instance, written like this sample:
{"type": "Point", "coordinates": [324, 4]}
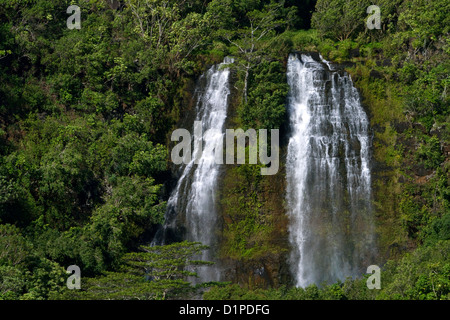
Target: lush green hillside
{"type": "Point", "coordinates": [86, 117]}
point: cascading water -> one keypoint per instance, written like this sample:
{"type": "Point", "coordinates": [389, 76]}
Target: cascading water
{"type": "Point", "coordinates": [195, 193]}
{"type": "Point", "coordinates": [328, 175]}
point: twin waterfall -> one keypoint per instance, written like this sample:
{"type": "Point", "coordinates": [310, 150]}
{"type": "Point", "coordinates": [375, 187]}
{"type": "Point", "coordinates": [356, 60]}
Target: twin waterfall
{"type": "Point", "coordinates": [195, 193]}
{"type": "Point", "coordinates": [328, 191]}
{"type": "Point", "coordinates": [328, 176]}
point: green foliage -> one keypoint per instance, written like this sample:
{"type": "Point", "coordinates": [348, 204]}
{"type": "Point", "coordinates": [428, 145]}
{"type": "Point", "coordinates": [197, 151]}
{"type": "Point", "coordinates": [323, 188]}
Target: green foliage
{"type": "Point", "coordinates": [154, 273]}
{"type": "Point", "coordinates": [428, 101]}
{"type": "Point", "coordinates": [339, 19]}
{"type": "Point", "coordinates": [16, 202]}
{"type": "Point", "coordinates": [422, 275]}
{"type": "Point", "coordinates": [136, 155]}
{"type": "Point", "coordinates": [13, 246]}
{"type": "Point", "coordinates": [85, 117]}
{"type": "Point", "coordinates": [24, 274]}
{"type": "Point", "coordinates": [429, 152]}
{"type": "Point", "coordinates": [427, 21]}
{"type": "Point", "coordinates": [249, 45]}
{"type": "Point", "coordinates": [350, 289]}
{"type": "Point", "coordinates": [303, 39]}
{"type": "Point", "coordinates": [12, 283]}
{"type": "Point", "coordinates": [247, 226]}
{"type": "Point", "coordinates": [267, 97]}
{"type": "Point", "coordinates": [44, 278]}
{"type": "Point", "coordinates": [440, 229]}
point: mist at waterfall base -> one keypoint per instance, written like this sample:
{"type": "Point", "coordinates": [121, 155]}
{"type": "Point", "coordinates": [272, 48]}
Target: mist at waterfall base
{"type": "Point", "coordinates": [195, 194]}
{"type": "Point", "coordinates": [328, 175]}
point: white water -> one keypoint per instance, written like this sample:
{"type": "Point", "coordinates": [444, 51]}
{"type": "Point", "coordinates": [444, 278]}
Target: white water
{"type": "Point", "coordinates": [328, 175]}
{"type": "Point", "coordinates": [195, 193]}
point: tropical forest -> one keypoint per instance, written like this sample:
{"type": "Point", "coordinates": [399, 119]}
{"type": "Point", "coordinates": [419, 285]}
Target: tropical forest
{"type": "Point", "coordinates": [224, 150]}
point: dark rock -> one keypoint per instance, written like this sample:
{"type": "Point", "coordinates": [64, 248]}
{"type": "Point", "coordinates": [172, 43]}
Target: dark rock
{"type": "Point", "coordinates": [347, 64]}
{"type": "Point", "coordinates": [42, 115]}
{"type": "Point", "coordinates": [447, 150]}
{"type": "Point", "coordinates": [339, 67]}
{"type": "Point", "coordinates": [354, 53]}
{"type": "Point", "coordinates": [314, 55]}
{"type": "Point", "coordinates": [384, 63]}
{"type": "Point", "coordinates": [396, 249]}
{"type": "Point", "coordinates": [409, 143]}
{"type": "Point", "coordinates": [437, 131]}
{"type": "Point", "coordinates": [420, 127]}
{"type": "Point", "coordinates": [421, 171]}
{"type": "Point", "coordinates": [378, 50]}
{"type": "Point", "coordinates": [401, 127]}
{"type": "Point", "coordinates": [375, 74]}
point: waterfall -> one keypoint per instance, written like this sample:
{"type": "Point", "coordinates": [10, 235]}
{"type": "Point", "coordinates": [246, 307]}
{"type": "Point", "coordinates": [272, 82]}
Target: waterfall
{"type": "Point", "coordinates": [328, 175]}
{"type": "Point", "coordinates": [195, 193]}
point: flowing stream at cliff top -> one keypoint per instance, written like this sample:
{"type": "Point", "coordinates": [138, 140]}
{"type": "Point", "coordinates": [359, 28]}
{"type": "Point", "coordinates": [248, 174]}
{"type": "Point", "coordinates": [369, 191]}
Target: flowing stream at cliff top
{"type": "Point", "coordinates": [328, 175]}
{"type": "Point", "coordinates": [195, 193]}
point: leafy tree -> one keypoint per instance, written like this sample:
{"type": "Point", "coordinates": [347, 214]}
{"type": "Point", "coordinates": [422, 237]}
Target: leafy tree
{"type": "Point", "coordinates": [426, 21]}
{"type": "Point", "coordinates": [136, 155]}
{"type": "Point", "coordinates": [153, 273]}
{"type": "Point", "coordinates": [423, 274]}
{"type": "Point", "coordinates": [248, 41]}
{"type": "Point", "coordinates": [131, 208]}
{"type": "Point", "coordinates": [171, 35]}
{"type": "Point", "coordinates": [430, 152]}
{"type": "Point", "coordinates": [267, 97]}
{"type": "Point", "coordinates": [12, 283]}
{"type": "Point", "coordinates": [339, 19]}
{"type": "Point", "coordinates": [44, 279]}
{"type": "Point", "coordinates": [13, 247]}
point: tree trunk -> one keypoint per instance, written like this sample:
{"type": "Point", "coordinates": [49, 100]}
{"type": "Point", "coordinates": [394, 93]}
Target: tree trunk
{"type": "Point", "coordinates": [246, 83]}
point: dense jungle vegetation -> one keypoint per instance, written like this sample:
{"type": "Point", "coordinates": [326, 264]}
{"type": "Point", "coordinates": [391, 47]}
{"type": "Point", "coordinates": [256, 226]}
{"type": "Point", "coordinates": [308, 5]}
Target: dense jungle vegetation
{"type": "Point", "coordinates": [85, 122]}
